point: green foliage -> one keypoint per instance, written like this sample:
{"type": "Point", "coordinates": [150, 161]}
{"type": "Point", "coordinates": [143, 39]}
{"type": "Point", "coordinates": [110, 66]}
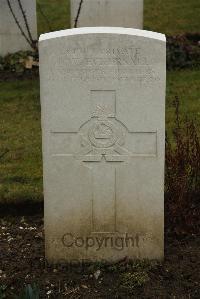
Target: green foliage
{"type": "Point", "coordinates": [133, 280]}
{"type": "Point", "coordinates": [183, 51]}
{"type": "Point", "coordinates": [29, 292]}
{"type": "Point", "coordinates": [2, 291]}
{"type": "Point", "coordinates": [132, 266]}
{"type": "Point", "coordinates": [135, 274]}
{"type": "Point", "coordinates": [16, 62]}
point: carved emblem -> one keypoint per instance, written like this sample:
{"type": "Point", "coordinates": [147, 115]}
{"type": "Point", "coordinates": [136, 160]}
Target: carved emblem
{"type": "Point", "coordinates": [102, 136]}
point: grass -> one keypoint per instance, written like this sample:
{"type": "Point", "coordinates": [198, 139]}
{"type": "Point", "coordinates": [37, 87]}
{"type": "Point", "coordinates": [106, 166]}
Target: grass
{"type": "Point", "coordinates": [167, 16]}
{"type": "Point", "coordinates": [185, 85]}
{"type": "Point", "coordinates": [20, 132]}
{"type": "Point", "coordinates": [57, 12]}
{"type": "Point", "coordinates": [20, 168]}
{"type": "Point", "coordinates": [171, 17]}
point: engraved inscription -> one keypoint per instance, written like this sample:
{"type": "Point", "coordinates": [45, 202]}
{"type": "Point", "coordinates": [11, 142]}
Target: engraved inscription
{"type": "Point", "coordinates": [136, 74]}
{"type": "Point", "coordinates": [97, 63]}
{"type": "Point", "coordinates": [105, 56]}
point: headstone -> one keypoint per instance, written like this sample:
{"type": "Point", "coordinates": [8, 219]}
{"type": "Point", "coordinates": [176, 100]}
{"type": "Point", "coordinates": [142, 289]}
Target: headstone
{"type": "Point", "coordinates": [103, 123]}
{"type": "Point", "coordinates": [11, 39]}
{"type": "Point", "coordinates": [114, 13]}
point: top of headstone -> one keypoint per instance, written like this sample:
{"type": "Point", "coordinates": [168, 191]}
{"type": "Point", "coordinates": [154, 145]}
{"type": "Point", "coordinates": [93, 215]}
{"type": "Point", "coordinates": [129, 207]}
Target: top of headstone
{"type": "Point", "coordinates": [108, 30]}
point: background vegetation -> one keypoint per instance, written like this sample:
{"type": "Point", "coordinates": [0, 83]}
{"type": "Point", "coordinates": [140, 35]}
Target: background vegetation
{"type": "Point", "coordinates": [167, 16]}
{"type": "Point", "coordinates": [20, 132]}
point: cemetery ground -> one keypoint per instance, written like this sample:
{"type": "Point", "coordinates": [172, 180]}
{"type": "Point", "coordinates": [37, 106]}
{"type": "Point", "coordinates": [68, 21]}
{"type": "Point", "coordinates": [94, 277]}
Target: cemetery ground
{"type": "Point", "coordinates": [23, 263]}
{"type": "Point", "coordinates": [21, 198]}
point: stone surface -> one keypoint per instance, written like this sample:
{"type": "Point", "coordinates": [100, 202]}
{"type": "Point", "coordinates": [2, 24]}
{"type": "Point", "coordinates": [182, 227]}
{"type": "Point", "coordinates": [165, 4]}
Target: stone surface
{"type": "Point", "coordinates": [114, 13]}
{"type": "Point", "coordinates": [103, 122]}
{"type": "Point", "coordinates": [11, 39]}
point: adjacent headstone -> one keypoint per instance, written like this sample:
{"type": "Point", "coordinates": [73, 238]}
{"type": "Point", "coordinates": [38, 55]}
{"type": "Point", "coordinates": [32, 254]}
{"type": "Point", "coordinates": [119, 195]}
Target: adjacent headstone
{"type": "Point", "coordinates": [114, 13]}
{"type": "Point", "coordinates": [103, 123]}
{"type": "Point", "coordinates": [11, 39]}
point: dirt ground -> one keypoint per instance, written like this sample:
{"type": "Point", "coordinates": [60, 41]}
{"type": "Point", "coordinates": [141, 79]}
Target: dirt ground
{"type": "Point", "coordinates": [22, 262]}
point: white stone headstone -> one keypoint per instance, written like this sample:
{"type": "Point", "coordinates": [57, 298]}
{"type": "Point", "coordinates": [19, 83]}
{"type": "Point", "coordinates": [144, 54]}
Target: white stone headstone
{"type": "Point", "coordinates": [11, 39]}
{"type": "Point", "coordinates": [103, 123]}
{"type": "Point", "coordinates": [114, 13]}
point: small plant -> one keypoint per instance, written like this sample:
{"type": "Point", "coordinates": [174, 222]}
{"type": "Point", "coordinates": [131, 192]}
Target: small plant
{"type": "Point", "coordinates": [2, 154]}
{"type": "Point", "coordinates": [133, 280]}
{"type": "Point", "coordinates": [29, 292]}
{"type": "Point", "coordinates": [19, 62]}
{"type": "Point", "coordinates": [135, 274]}
{"type": "Point", "coordinates": [183, 51]}
{"type": "Point", "coordinates": [2, 291]}
{"type": "Point", "coordinates": [183, 176]}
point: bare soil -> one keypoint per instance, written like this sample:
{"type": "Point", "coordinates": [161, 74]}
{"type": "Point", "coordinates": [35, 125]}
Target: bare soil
{"type": "Point", "coordinates": [22, 262]}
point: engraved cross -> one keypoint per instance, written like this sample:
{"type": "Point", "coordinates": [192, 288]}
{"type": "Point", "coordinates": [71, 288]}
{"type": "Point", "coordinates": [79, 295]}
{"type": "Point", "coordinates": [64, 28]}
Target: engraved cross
{"type": "Point", "coordinates": [104, 142]}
